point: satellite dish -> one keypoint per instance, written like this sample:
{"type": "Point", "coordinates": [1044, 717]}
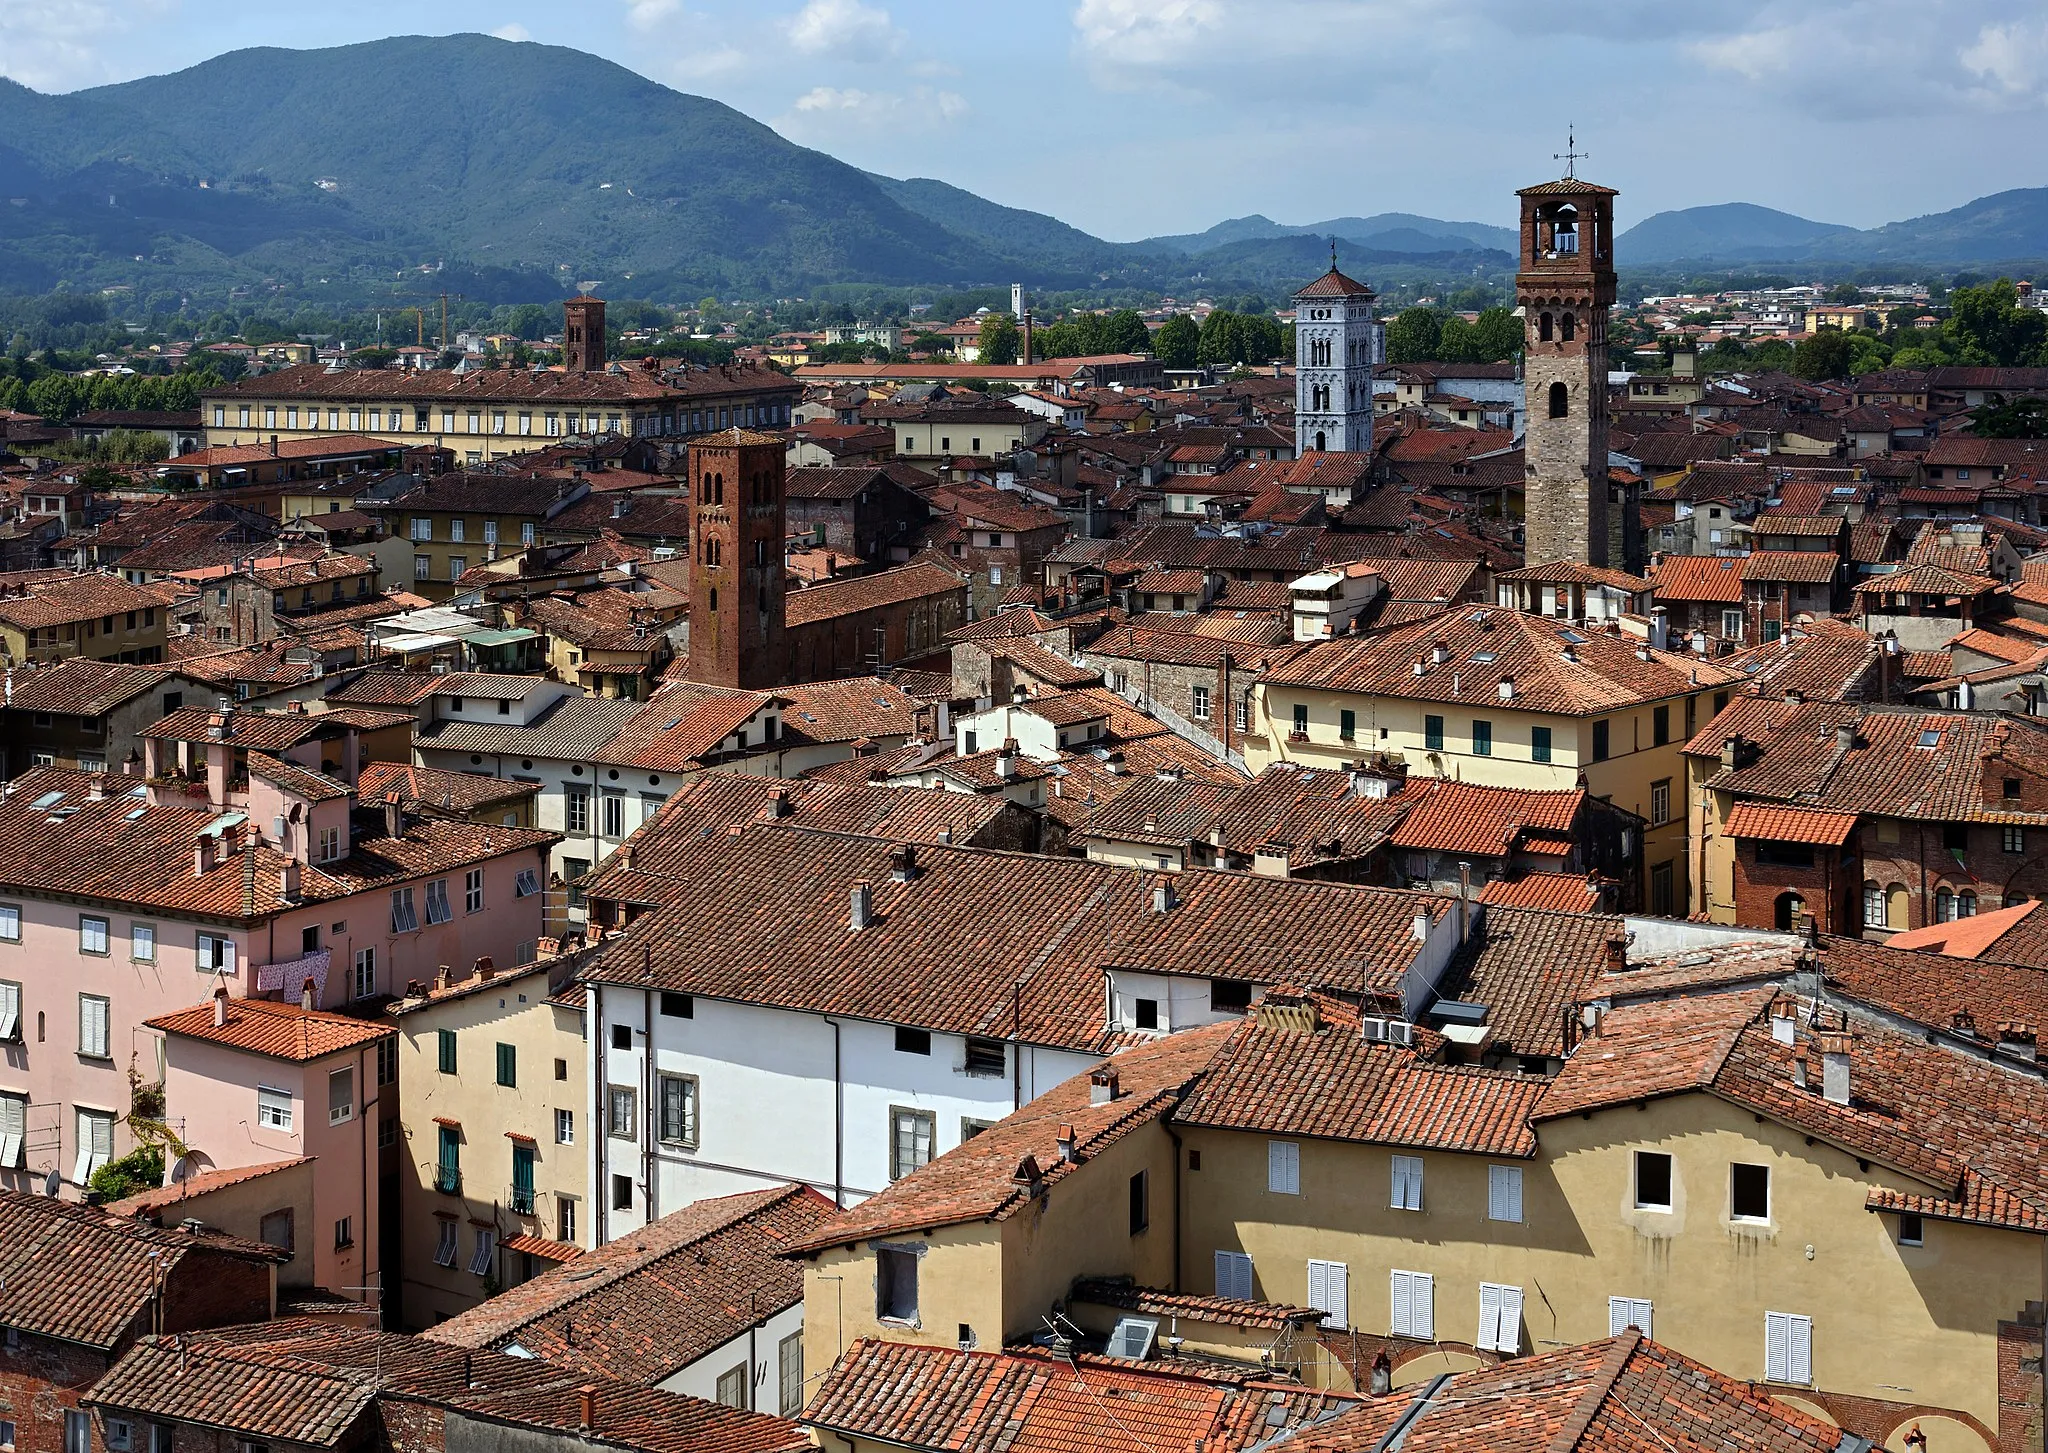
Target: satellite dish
{"type": "Point", "coordinates": [182, 1169]}
{"type": "Point", "coordinates": [52, 1183]}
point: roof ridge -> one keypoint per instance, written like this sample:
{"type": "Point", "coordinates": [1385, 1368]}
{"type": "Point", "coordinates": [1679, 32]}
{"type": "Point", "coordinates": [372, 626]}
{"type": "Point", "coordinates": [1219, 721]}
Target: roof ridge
{"type": "Point", "coordinates": [1612, 1361]}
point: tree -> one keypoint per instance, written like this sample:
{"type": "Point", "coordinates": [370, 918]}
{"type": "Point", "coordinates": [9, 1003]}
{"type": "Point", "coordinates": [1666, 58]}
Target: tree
{"type": "Point", "coordinates": [1455, 344]}
{"type": "Point", "coordinates": [1222, 338]}
{"type": "Point", "coordinates": [1986, 325]}
{"type": "Point", "coordinates": [1496, 336]}
{"type": "Point", "coordinates": [930, 343]}
{"type": "Point", "coordinates": [1822, 355]}
{"type": "Point", "coordinates": [1845, 294]}
{"type": "Point", "coordinates": [999, 339]}
{"type": "Point", "coordinates": [1415, 335]}
{"type": "Point", "coordinates": [1124, 332]}
{"type": "Point", "coordinates": [2020, 419]}
{"type": "Point", "coordinates": [1177, 342]}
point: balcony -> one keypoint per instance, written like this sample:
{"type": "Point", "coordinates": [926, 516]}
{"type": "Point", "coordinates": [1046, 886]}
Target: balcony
{"type": "Point", "coordinates": [520, 1200]}
{"type": "Point", "coordinates": [448, 1180]}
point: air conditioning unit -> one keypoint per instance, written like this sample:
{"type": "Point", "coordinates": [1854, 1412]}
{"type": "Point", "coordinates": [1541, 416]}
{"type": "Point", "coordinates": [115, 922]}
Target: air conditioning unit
{"type": "Point", "coordinates": [1400, 1031]}
{"type": "Point", "coordinates": [1373, 1031]}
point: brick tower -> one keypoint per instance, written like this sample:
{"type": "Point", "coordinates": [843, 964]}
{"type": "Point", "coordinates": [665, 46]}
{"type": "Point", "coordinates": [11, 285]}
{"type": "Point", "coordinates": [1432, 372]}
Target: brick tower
{"type": "Point", "coordinates": [736, 523]}
{"type": "Point", "coordinates": [583, 334]}
{"type": "Point", "coordinates": [1564, 288]}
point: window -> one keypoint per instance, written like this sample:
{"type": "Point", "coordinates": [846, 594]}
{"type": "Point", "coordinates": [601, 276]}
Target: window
{"type": "Point", "coordinates": [341, 1096]}
{"type": "Point", "coordinates": [565, 1127]}
{"type": "Point", "coordinates": [1731, 624]}
{"type": "Point", "coordinates": [528, 884]}
{"type": "Point", "coordinates": [1500, 1317]}
{"type": "Point", "coordinates": [344, 1233]}
{"type": "Point", "coordinates": [1301, 721]}
{"type": "Point", "coordinates": [445, 1043]}
{"type": "Point", "coordinates": [422, 567]}
{"type": "Point", "coordinates": [95, 1144]}
{"type": "Point", "coordinates": [273, 1108]}
{"type": "Point", "coordinates": [92, 1026]}
{"type": "Point", "coordinates": [1660, 726]}
{"type": "Point", "coordinates": [387, 1061]}
{"type": "Point", "coordinates": [1653, 1181]}
{"type": "Point", "coordinates": [444, 1245]}
{"type": "Point", "coordinates": [732, 1387]}
{"type": "Point", "coordinates": [985, 1057]}
{"type": "Point", "coordinates": [2013, 839]}
{"type": "Point", "coordinates": [1433, 733]}
{"type": "Point", "coordinates": [1199, 707]}
{"type": "Point", "coordinates": [142, 942]}
{"type": "Point", "coordinates": [1407, 1192]}
{"type": "Point", "coordinates": [508, 1065]}
{"type": "Point", "coordinates": [448, 1168]}
{"type": "Point", "coordinates": [970, 1127]}
{"type": "Point", "coordinates": [1599, 741]}
{"type": "Point", "coordinates": [1784, 855]}
{"type": "Point", "coordinates": [522, 1177]}
{"type": "Point", "coordinates": [10, 1012]}
{"type": "Point", "coordinates": [895, 1284]}
{"type": "Point", "coordinates": [276, 1229]}
{"type": "Point", "coordinates": [677, 1006]}
{"type": "Point", "coordinates": [405, 917]}
{"type": "Point", "coordinates": [473, 891]}
{"type": "Point", "coordinates": [10, 923]}
{"type": "Point", "coordinates": [363, 980]}
{"type": "Point", "coordinates": [1874, 906]}
{"type": "Point", "coordinates": [910, 1140]}
{"type": "Point", "coordinates": [1944, 905]}
{"type": "Point", "coordinates": [1241, 713]}
{"type": "Point", "coordinates": [485, 1255]}
{"type": "Point", "coordinates": [92, 935]}
{"type": "Point", "coordinates": [1912, 1230]}
{"type": "Point", "coordinates": [622, 1102]}
{"type": "Point", "coordinates": [1788, 1347]}
{"type": "Point", "coordinates": [1229, 996]}
{"type": "Point", "coordinates": [1660, 802]}
{"type": "Point", "coordinates": [1283, 1167]}
{"type": "Point", "coordinates": [1539, 744]}
{"type": "Point", "coordinates": [1234, 1275]}
{"type": "Point", "coordinates": [679, 1109]}
{"type": "Point", "coordinates": [422, 529]}
{"type": "Point", "coordinates": [1413, 1305]}
{"type": "Point", "coordinates": [1966, 904]}
{"type": "Point", "coordinates": [576, 809]}
{"type": "Point", "coordinates": [13, 1129]}
{"type": "Point", "coordinates": [913, 1041]}
{"type": "Point", "coordinates": [1503, 1193]}
{"type": "Point", "coordinates": [1139, 1203]}
{"type": "Point", "coordinates": [789, 1375]}
{"type": "Point", "coordinates": [1482, 738]}
{"type": "Point", "coordinates": [1329, 1291]}
{"type": "Point", "coordinates": [614, 814]}
{"type": "Point", "coordinates": [1560, 401]}
{"type": "Point", "coordinates": [565, 1219]}
{"type": "Point", "coordinates": [1749, 1192]}
{"type": "Point", "coordinates": [216, 954]}
{"type": "Point", "coordinates": [622, 1193]}
{"type": "Point", "coordinates": [457, 564]}
{"type": "Point", "coordinates": [1626, 1312]}
{"type": "Point", "coordinates": [622, 1036]}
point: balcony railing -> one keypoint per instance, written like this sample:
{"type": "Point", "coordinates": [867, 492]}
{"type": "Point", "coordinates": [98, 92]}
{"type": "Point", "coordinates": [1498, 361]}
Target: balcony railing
{"type": "Point", "coordinates": [520, 1200]}
{"type": "Point", "coordinates": [448, 1180]}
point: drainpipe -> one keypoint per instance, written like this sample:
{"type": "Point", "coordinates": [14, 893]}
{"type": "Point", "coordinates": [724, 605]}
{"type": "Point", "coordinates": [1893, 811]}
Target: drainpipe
{"type": "Point", "coordinates": [838, 1119]}
{"type": "Point", "coordinates": [600, 1190]}
{"type": "Point", "coordinates": [1017, 1045]}
{"type": "Point", "coordinates": [648, 1109]}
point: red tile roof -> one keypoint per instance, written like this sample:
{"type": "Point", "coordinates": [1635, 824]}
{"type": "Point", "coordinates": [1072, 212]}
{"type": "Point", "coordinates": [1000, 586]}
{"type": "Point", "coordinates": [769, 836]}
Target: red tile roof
{"type": "Point", "coordinates": [1789, 824]}
{"type": "Point", "coordinates": [1966, 938]}
{"type": "Point", "coordinates": [279, 1030]}
{"type": "Point", "coordinates": [1564, 892]}
{"type": "Point", "coordinates": [1699, 577]}
{"type": "Point", "coordinates": [1468, 818]}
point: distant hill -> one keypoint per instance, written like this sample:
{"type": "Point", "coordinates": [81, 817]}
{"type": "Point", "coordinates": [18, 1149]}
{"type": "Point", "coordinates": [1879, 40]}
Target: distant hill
{"type": "Point", "coordinates": [1027, 240]}
{"type": "Point", "coordinates": [1739, 230]}
{"type": "Point", "coordinates": [2009, 226]}
{"type": "Point", "coordinates": [1287, 262]}
{"type": "Point", "coordinates": [1385, 231]}
{"type": "Point", "coordinates": [2006, 225]}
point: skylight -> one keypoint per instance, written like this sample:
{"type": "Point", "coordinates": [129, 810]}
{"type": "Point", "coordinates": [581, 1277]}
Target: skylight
{"type": "Point", "coordinates": [1929, 738]}
{"type": "Point", "coordinates": [48, 799]}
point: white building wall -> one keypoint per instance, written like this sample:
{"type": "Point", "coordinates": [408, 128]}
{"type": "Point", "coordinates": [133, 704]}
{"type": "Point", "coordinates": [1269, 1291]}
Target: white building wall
{"type": "Point", "coordinates": [761, 1349]}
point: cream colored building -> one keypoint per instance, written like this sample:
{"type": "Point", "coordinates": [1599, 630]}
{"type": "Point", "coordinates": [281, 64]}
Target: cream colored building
{"type": "Point", "coordinates": [493, 1111]}
{"type": "Point", "coordinates": [1507, 700]}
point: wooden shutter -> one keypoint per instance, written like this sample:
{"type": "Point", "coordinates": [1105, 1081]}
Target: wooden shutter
{"type": "Point", "coordinates": [1489, 1315]}
{"type": "Point", "coordinates": [1503, 1193]}
{"type": "Point", "coordinates": [1626, 1312]}
{"type": "Point", "coordinates": [1329, 1291]}
{"type": "Point", "coordinates": [1407, 1194]}
{"type": "Point", "coordinates": [1423, 1311]}
{"type": "Point", "coordinates": [1798, 1347]}
{"type": "Point", "coordinates": [1234, 1275]}
{"type": "Point", "coordinates": [1508, 1336]}
{"type": "Point", "coordinates": [1403, 1316]}
{"type": "Point", "coordinates": [1777, 1347]}
{"type": "Point", "coordinates": [1283, 1167]}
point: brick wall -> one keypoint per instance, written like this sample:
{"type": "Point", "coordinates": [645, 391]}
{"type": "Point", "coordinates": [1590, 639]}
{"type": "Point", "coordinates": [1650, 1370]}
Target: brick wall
{"type": "Point", "coordinates": [1921, 862]}
{"type": "Point", "coordinates": [1826, 889]}
{"type": "Point", "coordinates": [209, 1290]}
{"type": "Point", "coordinates": [40, 1379]}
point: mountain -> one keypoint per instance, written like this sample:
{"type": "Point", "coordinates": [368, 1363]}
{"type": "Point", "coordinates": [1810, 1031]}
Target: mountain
{"type": "Point", "coordinates": [1385, 231]}
{"type": "Point", "coordinates": [1027, 241]}
{"type": "Point", "coordinates": [1730, 230]}
{"type": "Point", "coordinates": [2006, 225]}
{"type": "Point", "coordinates": [519, 156]}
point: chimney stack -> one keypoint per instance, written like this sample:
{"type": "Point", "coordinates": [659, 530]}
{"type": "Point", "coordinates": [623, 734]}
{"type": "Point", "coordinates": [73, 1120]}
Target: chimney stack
{"type": "Point", "coordinates": [778, 802]}
{"type": "Point", "coordinates": [1068, 1150]}
{"type": "Point", "coordinates": [288, 881]}
{"type": "Point", "coordinates": [1102, 1086]}
{"type": "Point", "coordinates": [220, 1007]}
{"type": "Point", "coordinates": [1834, 1068]}
{"type": "Point", "coordinates": [485, 969]}
{"type": "Point", "coordinates": [903, 862]}
{"type": "Point", "coordinates": [1163, 899]}
{"type": "Point", "coordinates": [1845, 736]}
{"type": "Point", "coordinates": [586, 1407]}
{"type": "Point", "coordinates": [306, 992]}
{"type": "Point", "coordinates": [1801, 1072]}
{"type": "Point", "coordinates": [863, 911]}
{"type": "Point", "coordinates": [1614, 954]}
{"type": "Point", "coordinates": [394, 820]}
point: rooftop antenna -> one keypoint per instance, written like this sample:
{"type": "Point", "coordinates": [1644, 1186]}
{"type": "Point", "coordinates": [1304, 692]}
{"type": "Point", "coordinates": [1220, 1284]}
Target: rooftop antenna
{"type": "Point", "coordinates": [1571, 156]}
{"type": "Point", "coordinates": [1333, 252]}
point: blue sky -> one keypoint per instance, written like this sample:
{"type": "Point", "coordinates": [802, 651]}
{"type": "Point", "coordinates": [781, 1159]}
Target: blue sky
{"type": "Point", "coordinates": [1133, 117]}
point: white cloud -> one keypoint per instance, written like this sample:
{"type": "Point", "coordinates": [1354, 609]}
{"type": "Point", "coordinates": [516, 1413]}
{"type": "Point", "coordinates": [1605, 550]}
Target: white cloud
{"type": "Point", "coordinates": [649, 14]}
{"type": "Point", "coordinates": [53, 45]}
{"type": "Point", "coordinates": [825, 113]}
{"type": "Point", "coordinates": [2011, 61]}
{"type": "Point", "coordinates": [834, 98]}
{"type": "Point", "coordinates": [513, 31]}
{"type": "Point", "coordinates": [845, 30]}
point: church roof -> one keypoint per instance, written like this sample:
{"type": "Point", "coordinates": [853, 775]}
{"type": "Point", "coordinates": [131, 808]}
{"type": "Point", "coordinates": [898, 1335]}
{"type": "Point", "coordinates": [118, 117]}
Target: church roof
{"type": "Point", "coordinates": [1333, 284]}
{"type": "Point", "coordinates": [1568, 187]}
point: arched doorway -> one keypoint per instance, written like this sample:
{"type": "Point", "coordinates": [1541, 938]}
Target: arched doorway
{"type": "Point", "coordinates": [1786, 916]}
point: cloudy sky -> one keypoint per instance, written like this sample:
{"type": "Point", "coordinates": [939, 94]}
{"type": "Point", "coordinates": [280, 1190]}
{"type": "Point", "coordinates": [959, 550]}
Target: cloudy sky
{"type": "Point", "coordinates": [1133, 117]}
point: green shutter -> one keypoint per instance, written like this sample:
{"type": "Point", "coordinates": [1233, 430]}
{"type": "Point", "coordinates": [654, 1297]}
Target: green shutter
{"type": "Point", "coordinates": [450, 1178]}
{"type": "Point", "coordinates": [446, 1041]}
{"type": "Point", "coordinates": [508, 1065]}
{"type": "Point", "coordinates": [1539, 744]}
{"type": "Point", "coordinates": [1433, 733]}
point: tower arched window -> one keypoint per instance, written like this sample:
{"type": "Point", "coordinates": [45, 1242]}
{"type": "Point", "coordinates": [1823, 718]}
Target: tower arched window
{"type": "Point", "coordinates": [718, 489]}
{"type": "Point", "coordinates": [711, 551]}
{"type": "Point", "coordinates": [1320, 445]}
{"type": "Point", "coordinates": [1568, 326]}
{"type": "Point", "coordinates": [1560, 401]}
{"type": "Point", "coordinates": [1543, 327]}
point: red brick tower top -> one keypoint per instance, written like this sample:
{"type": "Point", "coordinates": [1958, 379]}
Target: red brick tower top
{"type": "Point", "coordinates": [583, 334]}
{"type": "Point", "coordinates": [736, 570]}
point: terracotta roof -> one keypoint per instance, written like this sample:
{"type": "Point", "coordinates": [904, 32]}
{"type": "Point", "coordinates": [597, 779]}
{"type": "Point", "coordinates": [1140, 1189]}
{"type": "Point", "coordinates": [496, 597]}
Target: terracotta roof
{"type": "Point", "coordinates": [1927, 580]}
{"type": "Point", "coordinates": [648, 1304]}
{"type": "Point", "coordinates": [848, 596]}
{"type": "Point", "coordinates": [574, 728]}
{"type": "Point", "coordinates": [1699, 577]}
{"type": "Point", "coordinates": [1164, 812]}
{"type": "Point", "coordinates": [1789, 824]}
{"type": "Point", "coordinates": [1467, 818]}
{"type": "Point", "coordinates": [1318, 814]}
{"type": "Point", "coordinates": [451, 791]}
{"type": "Point", "coordinates": [1806, 567]}
{"type": "Point", "coordinates": [507, 385]}
{"type": "Point", "coordinates": [75, 598]}
{"type": "Point", "coordinates": [1969, 938]}
{"type": "Point", "coordinates": [1226, 1311]}
{"type": "Point", "coordinates": [79, 687]}
{"type": "Point", "coordinates": [1333, 284]}
{"type": "Point", "coordinates": [79, 1274]}
{"type": "Point", "coordinates": [1560, 892]}
{"type": "Point", "coordinates": [278, 1030]}
{"type": "Point", "coordinates": [942, 1398]}
{"type": "Point", "coordinates": [326, 446]}
{"type": "Point", "coordinates": [847, 709]}
{"type": "Point", "coordinates": [678, 731]}
{"type": "Point", "coordinates": [164, 1198]}
{"type": "Point", "coordinates": [1529, 965]}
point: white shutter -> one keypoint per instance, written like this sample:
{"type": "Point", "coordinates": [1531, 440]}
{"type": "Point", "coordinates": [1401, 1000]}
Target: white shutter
{"type": "Point", "coordinates": [13, 1126]}
{"type": "Point", "coordinates": [1510, 1331]}
{"type": "Point", "coordinates": [10, 1010]}
{"type": "Point", "coordinates": [1798, 1347]}
{"type": "Point", "coordinates": [1234, 1275]}
{"type": "Point", "coordinates": [1626, 1312]}
{"type": "Point", "coordinates": [1407, 1192]}
{"type": "Point", "coordinates": [1489, 1315]}
{"type": "Point", "coordinates": [1414, 1297]}
{"type": "Point", "coordinates": [1504, 1193]}
{"type": "Point", "coordinates": [1329, 1291]}
{"type": "Point", "coordinates": [1283, 1167]}
{"type": "Point", "coordinates": [1403, 1305]}
{"type": "Point", "coordinates": [227, 956]}
{"type": "Point", "coordinates": [1777, 1347]}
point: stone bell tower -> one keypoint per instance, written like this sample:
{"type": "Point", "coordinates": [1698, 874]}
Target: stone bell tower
{"type": "Point", "coordinates": [1564, 289]}
{"type": "Point", "coordinates": [583, 334]}
{"type": "Point", "coordinates": [1336, 343]}
{"type": "Point", "coordinates": [736, 574]}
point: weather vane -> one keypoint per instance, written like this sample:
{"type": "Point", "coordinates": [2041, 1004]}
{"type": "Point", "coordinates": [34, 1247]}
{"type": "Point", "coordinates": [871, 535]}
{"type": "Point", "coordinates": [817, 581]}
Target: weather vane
{"type": "Point", "coordinates": [1571, 156]}
{"type": "Point", "coordinates": [1333, 253]}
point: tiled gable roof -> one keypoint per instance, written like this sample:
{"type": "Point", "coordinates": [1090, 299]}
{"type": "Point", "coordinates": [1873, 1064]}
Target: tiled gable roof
{"type": "Point", "coordinates": [1529, 964]}
{"type": "Point", "coordinates": [835, 598]}
{"type": "Point", "coordinates": [74, 598]}
{"type": "Point", "coordinates": [1789, 824]}
{"type": "Point", "coordinates": [1158, 811]}
{"type": "Point", "coordinates": [1699, 577]}
{"type": "Point", "coordinates": [279, 1030]}
{"type": "Point", "coordinates": [1318, 814]}
{"type": "Point", "coordinates": [1467, 817]}
{"type": "Point", "coordinates": [79, 687]}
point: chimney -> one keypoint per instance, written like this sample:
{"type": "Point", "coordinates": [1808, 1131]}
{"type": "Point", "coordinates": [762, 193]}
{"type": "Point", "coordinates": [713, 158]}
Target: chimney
{"type": "Point", "coordinates": [1163, 899]}
{"type": "Point", "coordinates": [903, 862]}
{"type": "Point", "coordinates": [1834, 1068]}
{"type": "Point", "coordinates": [1845, 736]}
{"type": "Point", "coordinates": [442, 978]}
{"type": "Point", "coordinates": [96, 789]}
{"type": "Point", "coordinates": [1507, 688]}
{"type": "Point", "coordinates": [1006, 759]}
{"type": "Point", "coordinates": [1614, 954]}
{"type": "Point", "coordinates": [202, 857]}
{"type": "Point", "coordinates": [586, 1407]}
{"type": "Point", "coordinates": [485, 969]}
{"type": "Point", "coordinates": [1440, 653]}
{"type": "Point", "coordinates": [220, 1007]}
{"type": "Point", "coordinates": [1069, 1152]}
{"type": "Point", "coordinates": [306, 992]}
{"type": "Point", "coordinates": [288, 881]}
{"type": "Point", "coordinates": [1102, 1086]}
{"type": "Point", "coordinates": [863, 911]}
{"type": "Point", "coordinates": [394, 820]}
{"type": "Point", "coordinates": [1731, 753]}
{"type": "Point", "coordinates": [1421, 926]}
{"type": "Point", "coordinates": [778, 802]}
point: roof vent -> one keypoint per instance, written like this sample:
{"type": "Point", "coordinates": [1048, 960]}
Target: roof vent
{"type": "Point", "coordinates": [903, 862]}
{"type": "Point", "coordinates": [1163, 897]}
{"type": "Point", "coordinates": [1070, 1150]}
{"type": "Point", "coordinates": [1103, 1086]}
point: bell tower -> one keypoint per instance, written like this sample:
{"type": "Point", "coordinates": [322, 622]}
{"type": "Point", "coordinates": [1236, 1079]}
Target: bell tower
{"type": "Point", "coordinates": [1336, 344]}
{"type": "Point", "coordinates": [583, 334]}
{"type": "Point", "coordinates": [736, 579]}
{"type": "Point", "coordinates": [1564, 289]}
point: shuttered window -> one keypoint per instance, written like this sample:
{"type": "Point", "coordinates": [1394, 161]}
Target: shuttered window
{"type": "Point", "coordinates": [1626, 1312]}
{"type": "Point", "coordinates": [1329, 1291]}
{"type": "Point", "coordinates": [1234, 1275]}
{"type": "Point", "coordinates": [1414, 1305]}
{"type": "Point", "coordinates": [1407, 1192]}
{"type": "Point", "coordinates": [1500, 1317]}
{"type": "Point", "coordinates": [1283, 1167]}
{"type": "Point", "coordinates": [1788, 1347]}
{"type": "Point", "coordinates": [13, 1128]}
{"type": "Point", "coordinates": [1503, 1193]}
